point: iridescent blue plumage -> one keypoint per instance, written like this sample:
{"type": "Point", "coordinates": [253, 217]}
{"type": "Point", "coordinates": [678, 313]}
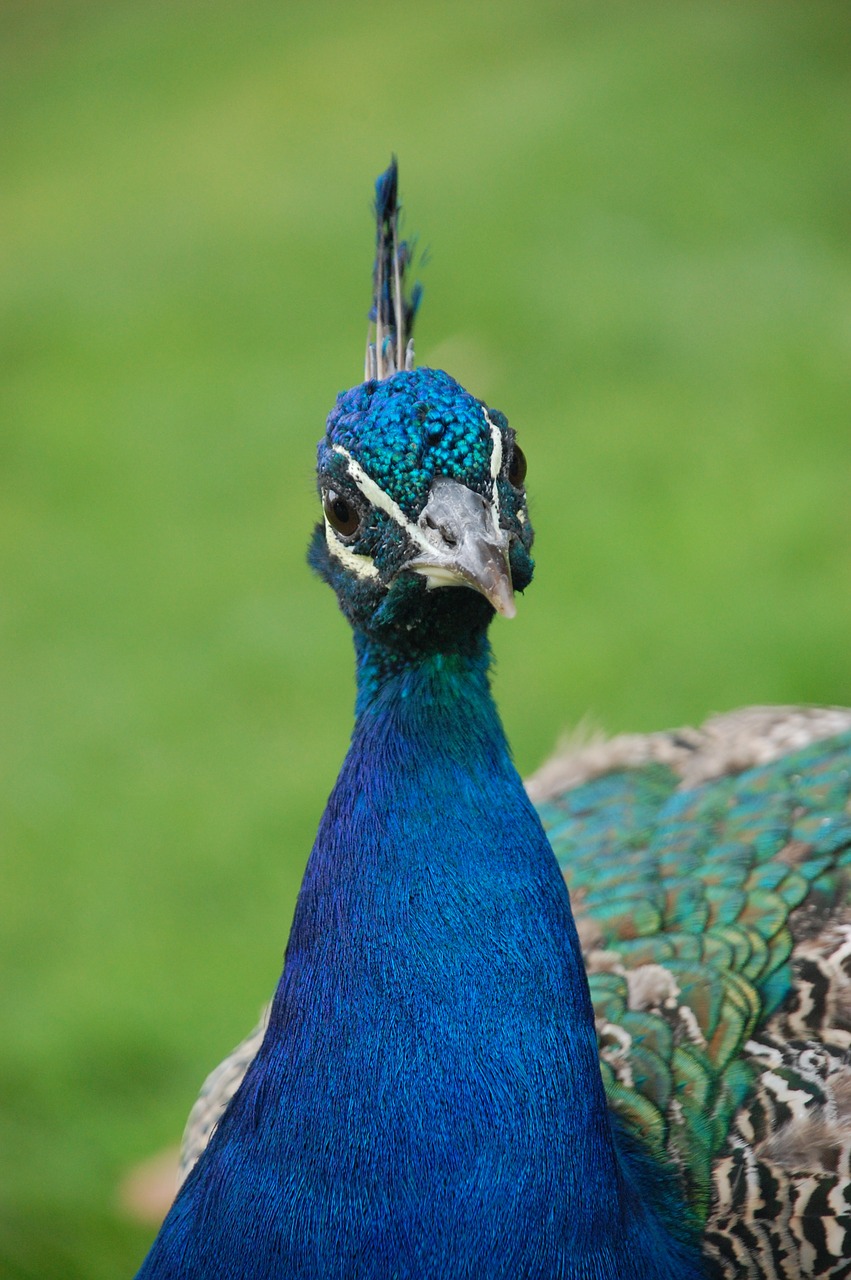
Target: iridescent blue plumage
{"type": "Point", "coordinates": [421, 1104]}
{"type": "Point", "coordinates": [439, 1093]}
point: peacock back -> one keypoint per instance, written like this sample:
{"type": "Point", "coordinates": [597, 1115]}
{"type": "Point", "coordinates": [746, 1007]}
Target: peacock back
{"type": "Point", "coordinates": [709, 877]}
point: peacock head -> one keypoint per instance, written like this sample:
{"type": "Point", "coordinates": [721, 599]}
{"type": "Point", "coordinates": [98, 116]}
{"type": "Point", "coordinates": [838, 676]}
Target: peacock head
{"type": "Point", "coordinates": [425, 531]}
{"type": "Point", "coordinates": [422, 486]}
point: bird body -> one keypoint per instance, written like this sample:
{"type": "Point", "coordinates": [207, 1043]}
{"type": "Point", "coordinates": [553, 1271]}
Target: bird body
{"type": "Point", "coordinates": [436, 1094]}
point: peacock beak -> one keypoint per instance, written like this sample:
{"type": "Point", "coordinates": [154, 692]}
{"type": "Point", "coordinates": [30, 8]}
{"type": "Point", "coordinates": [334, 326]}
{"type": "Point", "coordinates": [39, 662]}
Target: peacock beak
{"type": "Point", "coordinates": [462, 545]}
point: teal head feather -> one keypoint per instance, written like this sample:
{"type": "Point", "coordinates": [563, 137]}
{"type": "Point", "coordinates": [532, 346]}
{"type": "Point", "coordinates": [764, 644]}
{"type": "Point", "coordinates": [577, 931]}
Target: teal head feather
{"type": "Point", "coordinates": [407, 469]}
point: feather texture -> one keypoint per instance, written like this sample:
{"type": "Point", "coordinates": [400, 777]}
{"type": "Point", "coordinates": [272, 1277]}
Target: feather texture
{"type": "Point", "coordinates": [716, 924]}
{"type": "Point", "coordinates": [390, 344]}
{"type": "Point", "coordinates": [674, 887]}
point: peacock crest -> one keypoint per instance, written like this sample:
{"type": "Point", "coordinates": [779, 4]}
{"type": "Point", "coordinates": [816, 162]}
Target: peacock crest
{"type": "Point", "coordinates": [390, 342]}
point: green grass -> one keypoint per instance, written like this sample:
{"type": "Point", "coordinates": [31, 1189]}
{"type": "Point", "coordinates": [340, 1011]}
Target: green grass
{"type": "Point", "coordinates": [638, 223]}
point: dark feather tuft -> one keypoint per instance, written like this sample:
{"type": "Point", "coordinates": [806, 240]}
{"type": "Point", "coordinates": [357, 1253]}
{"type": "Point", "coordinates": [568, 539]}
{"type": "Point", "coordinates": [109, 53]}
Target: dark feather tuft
{"type": "Point", "coordinates": [389, 342]}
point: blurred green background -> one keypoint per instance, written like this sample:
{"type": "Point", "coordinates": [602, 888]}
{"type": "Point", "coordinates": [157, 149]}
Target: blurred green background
{"type": "Point", "coordinates": [639, 223]}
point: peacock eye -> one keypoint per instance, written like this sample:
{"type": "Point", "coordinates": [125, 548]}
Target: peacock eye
{"type": "Point", "coordinates": [340, 514]}
{"type": "Point", "coordinates": [517, 467]}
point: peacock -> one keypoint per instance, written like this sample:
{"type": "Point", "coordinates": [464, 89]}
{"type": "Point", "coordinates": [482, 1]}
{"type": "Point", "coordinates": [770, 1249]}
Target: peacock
{"type": "Point", "coordinates": [594, 1028]}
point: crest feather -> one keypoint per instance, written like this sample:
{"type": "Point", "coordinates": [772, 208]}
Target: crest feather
{"type": "Point", "coordinates": [390, 345]}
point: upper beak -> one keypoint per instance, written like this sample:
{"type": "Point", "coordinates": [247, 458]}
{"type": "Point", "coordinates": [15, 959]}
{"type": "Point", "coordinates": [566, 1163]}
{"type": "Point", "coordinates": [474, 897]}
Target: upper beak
{"type": "Point", "coordinates": [463, 545]}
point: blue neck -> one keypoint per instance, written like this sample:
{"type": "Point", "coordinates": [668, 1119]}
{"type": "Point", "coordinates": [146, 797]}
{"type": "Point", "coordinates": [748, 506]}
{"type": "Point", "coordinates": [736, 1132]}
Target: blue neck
{"type": "Point", "coordinates": [427, 1101]}
{"type": "Point", "coordinates": [386, 671]}
{"type": "Point", "coordinates": [434, 909]}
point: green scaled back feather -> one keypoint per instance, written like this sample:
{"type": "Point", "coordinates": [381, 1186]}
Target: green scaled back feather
{"type": "Point", "coordinates": [689, 902]}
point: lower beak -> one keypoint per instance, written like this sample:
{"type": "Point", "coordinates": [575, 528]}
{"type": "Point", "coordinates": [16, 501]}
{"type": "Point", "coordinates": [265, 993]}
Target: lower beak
{"type": "Point", "coordinates": [463, 545]}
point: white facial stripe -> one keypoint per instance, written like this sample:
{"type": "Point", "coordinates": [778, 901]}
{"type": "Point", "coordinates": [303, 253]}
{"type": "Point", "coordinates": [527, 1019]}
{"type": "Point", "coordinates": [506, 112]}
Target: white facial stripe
{"type": "Point", "coordinates": [496, 465]}
{"type": "Point", "coordinates": [378, 498]}
{"type": "Point", "coordinates": [363, 565]}
{"type": "Point", "coordinates": [360, 566]}
{"type": "Point", "coordinates": [496, 452]}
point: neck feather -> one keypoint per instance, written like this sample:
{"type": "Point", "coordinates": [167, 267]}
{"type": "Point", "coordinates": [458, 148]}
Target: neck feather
{"type": "Point", "coordinates": [427, 1099]}
{"type": "Point", "coordinates": [434, 908]}
{"type": "Point", "coordinates": [387, 668]}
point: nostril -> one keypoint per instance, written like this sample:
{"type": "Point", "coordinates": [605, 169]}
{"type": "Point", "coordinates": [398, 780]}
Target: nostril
{"type": "Point", "coordinates": [445, 532]}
